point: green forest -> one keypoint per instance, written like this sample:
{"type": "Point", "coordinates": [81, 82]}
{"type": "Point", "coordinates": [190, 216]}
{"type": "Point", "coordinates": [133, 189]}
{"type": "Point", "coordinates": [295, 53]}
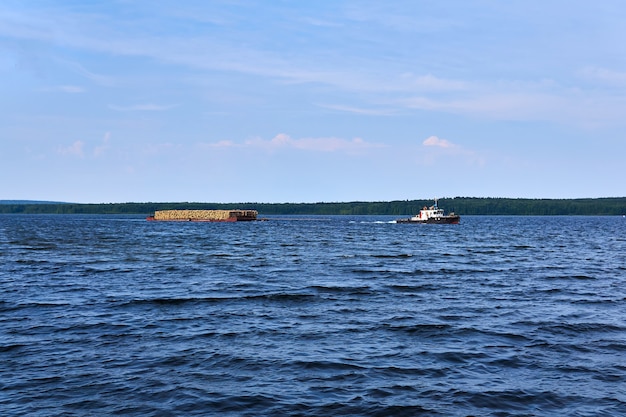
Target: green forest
{"type": "Point", "coordinates": [459, 205]}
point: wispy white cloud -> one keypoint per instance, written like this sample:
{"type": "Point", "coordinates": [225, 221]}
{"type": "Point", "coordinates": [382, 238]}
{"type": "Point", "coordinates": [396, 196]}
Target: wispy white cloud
{"type": "Point", "coordinates": [511, 105]}
{"type": "Point", "coordinates": [359, 110]}
{"type": "Point", "coordinates": [284, 141]}
{"type": "Point", "coordinates": [435, 141]}
{"type": "Point", "coordinates": [324, 144]}
{"type": "Point", "coordinates": [165, 148]}
{"type": "Point", "coordinates": [76, 149]}
{"type": "Point", "coordinates": [225, 55]}
{"type": "Point", "coordinates": [566, 106]}
{"type": "Point", "coordinates": [220, 144]}
{"type": "Point", "coordinates": [429, 88]}
{"type": "Point", "coordinates": [429, 82]}
{"type": "Point", "coordinates": [324, 23]}
{"type": "Point", "coordinates": [143, 107]}
{"type": "Point", "coordinates": [604, 75]}
{"type": "Point", "coordinates": [80, 149]}
{"type": "Point", "coordinates": [70, 89]}
{"type": "Point", "coordinates": [99, 79]}
{"type": "Point", "coordinates": [445, 148]}
{"type": "Point", "coordinates": [395, 17]}
{"type": "Point", "coordinates": [104, 146]}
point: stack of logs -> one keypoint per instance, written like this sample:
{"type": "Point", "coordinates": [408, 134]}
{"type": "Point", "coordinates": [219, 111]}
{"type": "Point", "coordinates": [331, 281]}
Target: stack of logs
{"type": "Point", "coordinates": [205, 215]}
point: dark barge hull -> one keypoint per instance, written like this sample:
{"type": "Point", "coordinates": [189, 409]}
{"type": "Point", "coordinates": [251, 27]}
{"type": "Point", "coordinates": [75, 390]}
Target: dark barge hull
{"type": "Point", "coordinates": [434, 220]}
{"type": "Point", "coordinates": [228, 220]}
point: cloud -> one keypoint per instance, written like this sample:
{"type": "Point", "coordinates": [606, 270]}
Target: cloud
{"type": "Point", "coordinates": [356, 110]}
{"type": "Point", "coordinates": [220, 144]}
{"type": "Point", "coordinates": [373, 79]}
{"type": "Point", "coordinates": [100, 150]}
{"type": "Point", "coordinates": [284, 141]}
{"type": "Point", "coordinates": [573, 106]}
{"type": "Point", "coordinates": [75, 149]}
{"type": "Point", "coordinates": [328, 144]}
{"type": "Point", "coordinates": [514, 105]}
{"type": "Point", "coordinates": [435, 141]}
{"type": "Point", "coordinates": [617, 78]}
{"type": "Point", "coordinates": [143, 107]}
{"type": "Point", "coordinates": [161, 148]}
{"type": "Point", "coordinates": [321, 22]}
{"type": "Point", "coordinates": [71, 89]}
{"type": "Point", "coordinates": [429, 82]}
{"type": "Point", "coordinates": [92, 76]}
{"type": "Point", "coordinates": [450, 149]}
{"type": "Point", "coordinates": [79, 149]}
{"type": "Point", "coordinates": [88, 32]}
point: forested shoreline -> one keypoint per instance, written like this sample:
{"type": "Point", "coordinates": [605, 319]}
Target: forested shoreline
{"type": "Point", "coordinates": [459, 205]}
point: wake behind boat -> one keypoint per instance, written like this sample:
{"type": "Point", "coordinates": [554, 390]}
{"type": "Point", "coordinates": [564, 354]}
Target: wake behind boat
{"type": "Point", "coordinates": [432, 215]}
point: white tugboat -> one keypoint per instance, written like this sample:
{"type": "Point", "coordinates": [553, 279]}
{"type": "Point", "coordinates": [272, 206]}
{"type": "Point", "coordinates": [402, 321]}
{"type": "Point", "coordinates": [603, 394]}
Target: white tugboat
{"type": "Point", "coordinates": [432, 215]}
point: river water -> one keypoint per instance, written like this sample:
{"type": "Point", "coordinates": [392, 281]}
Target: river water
{"type": "Point", "coordinates": [312, 316]}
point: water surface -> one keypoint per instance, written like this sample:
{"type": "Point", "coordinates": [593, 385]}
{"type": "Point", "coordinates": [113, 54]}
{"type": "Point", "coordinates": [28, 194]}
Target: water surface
{"type": "Point", "coordinates": [312, 316]}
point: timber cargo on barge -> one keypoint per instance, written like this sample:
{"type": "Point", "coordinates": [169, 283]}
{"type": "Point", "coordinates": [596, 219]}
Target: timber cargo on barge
{"type": "Point", "coordinates": [204, 215]}
{"type": "Point", "coordinates": [432, 215]}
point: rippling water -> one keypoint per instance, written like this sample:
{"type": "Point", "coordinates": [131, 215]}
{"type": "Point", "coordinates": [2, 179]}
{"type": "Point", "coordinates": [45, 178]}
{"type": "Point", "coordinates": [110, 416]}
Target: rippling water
{"type": "Point", "coordinates": [316, 316]}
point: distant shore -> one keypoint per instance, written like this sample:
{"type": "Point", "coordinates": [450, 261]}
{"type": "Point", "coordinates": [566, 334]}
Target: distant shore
{"type": "Point", "coordinates": [612, 206]}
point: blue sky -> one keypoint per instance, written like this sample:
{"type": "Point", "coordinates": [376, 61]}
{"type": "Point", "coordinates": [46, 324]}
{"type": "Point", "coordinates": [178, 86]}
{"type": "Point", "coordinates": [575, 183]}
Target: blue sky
{"type": "Point", "coordinates": [287, 101]}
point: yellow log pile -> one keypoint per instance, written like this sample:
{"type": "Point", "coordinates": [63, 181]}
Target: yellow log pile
{"type": "Point", "coordinates": [205, 215]}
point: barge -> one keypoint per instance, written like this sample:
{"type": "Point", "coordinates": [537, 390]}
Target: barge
{"type": "Point", "coordinates": [204, 215]}
{"type": "Point", "coordinates": [432, 215]}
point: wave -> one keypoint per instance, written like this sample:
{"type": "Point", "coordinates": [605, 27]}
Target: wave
{"type": "Point", "coordinates": [178, 301]}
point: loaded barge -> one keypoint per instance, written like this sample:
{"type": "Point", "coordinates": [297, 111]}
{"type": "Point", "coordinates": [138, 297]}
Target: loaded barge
{"type": "Point", "coordinates": [204, 216]}
{"type": "Point", "coordinates": [432, 215]}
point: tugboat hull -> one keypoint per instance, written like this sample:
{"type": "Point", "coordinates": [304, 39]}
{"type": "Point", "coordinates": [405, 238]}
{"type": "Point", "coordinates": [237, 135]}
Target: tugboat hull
{"type": "Point", "coordinates": [433, 220]}
{"type": "Point", "coordinates": [432, 215]}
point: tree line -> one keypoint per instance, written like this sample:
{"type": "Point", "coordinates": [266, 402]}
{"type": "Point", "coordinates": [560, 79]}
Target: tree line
{"type": "Point", "coordinates": [459, 205]}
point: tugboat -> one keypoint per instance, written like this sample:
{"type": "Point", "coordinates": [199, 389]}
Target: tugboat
{"type": "Point", "coordinates": [432, 215]}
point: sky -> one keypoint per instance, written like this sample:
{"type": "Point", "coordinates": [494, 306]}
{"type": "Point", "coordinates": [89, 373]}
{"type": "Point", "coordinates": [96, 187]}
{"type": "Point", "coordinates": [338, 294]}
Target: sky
{"type": "Point", "coordinates": [319, 101]}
